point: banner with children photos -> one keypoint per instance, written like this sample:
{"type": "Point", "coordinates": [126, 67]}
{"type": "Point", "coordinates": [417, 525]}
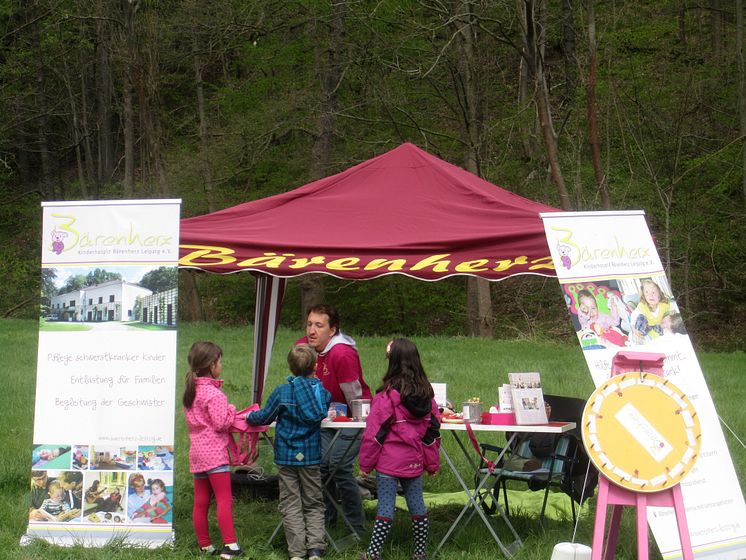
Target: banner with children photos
{"type": "Point", "coordinates": [619, 298]}
{"type": "Point", "coordinates": [102, 459]}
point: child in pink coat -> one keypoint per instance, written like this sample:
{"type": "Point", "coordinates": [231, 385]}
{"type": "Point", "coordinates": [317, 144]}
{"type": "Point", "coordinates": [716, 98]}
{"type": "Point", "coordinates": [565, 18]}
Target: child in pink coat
{"type": "Point", "coordinates": [209, 418]}
{"type": "Point", "coordinates": [401, 441]}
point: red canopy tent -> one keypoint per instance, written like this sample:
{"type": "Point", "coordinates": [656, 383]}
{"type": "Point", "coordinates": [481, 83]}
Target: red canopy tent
{"type": "Point", "coordinates": [403, 212]}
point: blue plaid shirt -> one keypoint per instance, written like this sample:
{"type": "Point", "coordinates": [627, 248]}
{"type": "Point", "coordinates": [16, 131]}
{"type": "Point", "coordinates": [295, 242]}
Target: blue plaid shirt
{"type": "Point", "coordinates": [298, 407]}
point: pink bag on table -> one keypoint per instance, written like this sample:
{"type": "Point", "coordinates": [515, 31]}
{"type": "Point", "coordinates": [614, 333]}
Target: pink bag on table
{"type": "Point", "coordinates": [242, 445]}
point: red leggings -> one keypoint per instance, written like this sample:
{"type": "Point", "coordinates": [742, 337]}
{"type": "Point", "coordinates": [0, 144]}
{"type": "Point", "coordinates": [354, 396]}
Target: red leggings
{"type": "Point", "coordinates": [220, 485]}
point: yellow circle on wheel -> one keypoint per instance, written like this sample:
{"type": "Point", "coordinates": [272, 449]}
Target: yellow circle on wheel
{"type": "Point", "coordinates": [641, 432]}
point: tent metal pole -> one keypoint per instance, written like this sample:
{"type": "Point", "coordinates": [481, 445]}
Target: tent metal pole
{"type": "Point", "coordinates": [270, 291]}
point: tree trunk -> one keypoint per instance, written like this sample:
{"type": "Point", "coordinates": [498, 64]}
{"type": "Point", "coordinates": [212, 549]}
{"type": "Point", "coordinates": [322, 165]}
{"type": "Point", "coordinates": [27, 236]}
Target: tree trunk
{"type": "Point", "coordinates": [478, 299]}
{"type": "Point", "coordinates": [204, 142]}
{"type": "Point", "coordinates": [541, 98]}
{"type": "Point", "coordinates": [24, 163]}
{"type": "Point", "coordinates": [194, 299]}
{"type": "Point", "coordinates": [128, 110]}
{"type": "Point", "coordinates": [716, 27]}
{"type": "Point", "coordinates": [741, 91]}
{"type": "Point", "coordinates": [592, 110]}
{"type": "Point", "coordinates": [312, 292]}
{"type": "Point", "coordinates": [578, 180]}
{"type": "Point", "coordinates": [666, 249]}
{"type": "Point", "coordinates": [87, 148]}
{"type": "Point", "coordinates": [128, 116]}
{"type": "Point", "coordinates": [47, 183]}
{"type": "Point", "coordinates": [77, 136]}
{"type": "Point", "coordinates": [127, 51]}
{"type": "Point", "coordinates": [160, 165]}
{"type": "Point", "coordinates": [150, 104]}
{"type": "Point", "coordinates": [568, 50]}
{"type": "Point", "coordinates": [682, 22]}
{"type": "Point", "coordinates": [472, 93]}
{"type": "Point", "coordinates": [527, 126]}
{"type": "Point", "coordinates": [479, 307]}
{"type": "Point", "coordinates": [683, 299]}
{"type": "Point", "coordinates": [104, 95]}
{"type": "Point", "coordinates": [194, 309]}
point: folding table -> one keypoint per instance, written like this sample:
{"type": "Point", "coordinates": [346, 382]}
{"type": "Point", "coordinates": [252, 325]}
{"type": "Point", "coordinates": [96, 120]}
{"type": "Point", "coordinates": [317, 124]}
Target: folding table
{"type": "Point", "coordinates": [459, 432]}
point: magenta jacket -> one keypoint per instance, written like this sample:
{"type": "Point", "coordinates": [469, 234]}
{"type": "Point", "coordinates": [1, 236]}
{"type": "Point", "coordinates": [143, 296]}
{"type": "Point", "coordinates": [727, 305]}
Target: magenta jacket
{"type": "Point", "coordinates": [401, 440]}
{"type": "Point", "coordinates": [209, 421]}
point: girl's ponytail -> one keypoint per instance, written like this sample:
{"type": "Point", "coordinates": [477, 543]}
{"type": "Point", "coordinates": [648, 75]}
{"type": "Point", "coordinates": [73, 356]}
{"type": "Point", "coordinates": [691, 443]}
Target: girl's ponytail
{"type": "Point", "coordinates": [190, 390]}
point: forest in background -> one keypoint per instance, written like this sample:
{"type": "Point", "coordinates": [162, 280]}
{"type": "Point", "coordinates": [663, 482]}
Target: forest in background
{"type": "Point", "coordinates": [583, 105]}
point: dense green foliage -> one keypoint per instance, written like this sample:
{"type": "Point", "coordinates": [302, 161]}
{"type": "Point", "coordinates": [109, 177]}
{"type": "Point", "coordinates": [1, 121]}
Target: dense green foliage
{"type": "Point", "coordinates": [223, 102]}
{"type": "Point", "coordinates": [160, 279]}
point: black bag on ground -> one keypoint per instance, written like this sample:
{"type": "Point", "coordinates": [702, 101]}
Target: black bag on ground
{"type": "Point", "coordinates": [254, 485]}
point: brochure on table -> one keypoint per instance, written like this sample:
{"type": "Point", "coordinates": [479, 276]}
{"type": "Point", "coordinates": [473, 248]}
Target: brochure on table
{"type": "Point", "coordinates": [504, 399]}
{"type": "Point", "coordinates": [619, 297]}
{"type": "Point", "coordinates": [102, 459]}
{"type": "Point", "coordinates": [440, 390]}
{"type": "Point", "coordinates": [527, 398]}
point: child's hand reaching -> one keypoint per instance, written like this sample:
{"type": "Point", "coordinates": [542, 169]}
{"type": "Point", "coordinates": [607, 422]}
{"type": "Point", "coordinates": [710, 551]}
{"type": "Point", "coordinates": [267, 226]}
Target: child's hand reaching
{"type": "Point", "coordinates": [249, 410]}
{"type": "Point", "coordinates": [364, 474]}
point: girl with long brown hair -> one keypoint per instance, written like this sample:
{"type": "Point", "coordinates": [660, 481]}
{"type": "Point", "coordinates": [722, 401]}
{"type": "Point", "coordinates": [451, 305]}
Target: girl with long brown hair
{"type": "Point", "coordinates": [401, 441]}
{"type": "Point", "coordinates": [209, 417]}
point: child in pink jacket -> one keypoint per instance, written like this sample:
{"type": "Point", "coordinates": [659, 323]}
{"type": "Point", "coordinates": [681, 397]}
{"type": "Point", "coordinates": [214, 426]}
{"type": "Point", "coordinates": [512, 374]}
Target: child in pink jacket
{"type": "Point", "coordinates": [209, 418]}
{"type": "Point", "coordinates": [401, 441]}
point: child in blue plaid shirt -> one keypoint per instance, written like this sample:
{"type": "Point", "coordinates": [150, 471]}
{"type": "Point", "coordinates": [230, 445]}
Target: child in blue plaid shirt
{"type": "Point", "coordinates": [299, 407]}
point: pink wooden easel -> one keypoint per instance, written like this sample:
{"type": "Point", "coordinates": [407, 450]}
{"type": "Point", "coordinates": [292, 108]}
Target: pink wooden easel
{"type": "Point", "coordinates": [610, 494]}
{"type": "Point", "coordinates": [616, 496]}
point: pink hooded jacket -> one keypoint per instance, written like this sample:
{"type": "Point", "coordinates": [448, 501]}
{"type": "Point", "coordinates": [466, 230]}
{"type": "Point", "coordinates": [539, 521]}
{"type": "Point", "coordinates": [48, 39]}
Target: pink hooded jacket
{"type": "Point", "coordinates": [401, 441]}
{"type": "Point", "coordinates": [209, 421]}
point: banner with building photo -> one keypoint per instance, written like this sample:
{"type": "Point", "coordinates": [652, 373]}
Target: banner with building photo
{"type": "Point", "coordinates": [619, 298]}
{"type": "Point", "coordinates": [103, 449]}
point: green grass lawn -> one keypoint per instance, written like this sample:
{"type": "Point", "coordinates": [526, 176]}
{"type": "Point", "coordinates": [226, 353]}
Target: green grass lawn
{"type": "Point", "coordinates": [469, 366]}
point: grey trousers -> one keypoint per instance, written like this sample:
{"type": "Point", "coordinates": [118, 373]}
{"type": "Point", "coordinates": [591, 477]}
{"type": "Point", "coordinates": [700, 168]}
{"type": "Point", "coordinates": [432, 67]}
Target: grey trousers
{"type": "Point", "coordinates": [340, 458]}
{"type": "Point", "coordinates": [302, 508]}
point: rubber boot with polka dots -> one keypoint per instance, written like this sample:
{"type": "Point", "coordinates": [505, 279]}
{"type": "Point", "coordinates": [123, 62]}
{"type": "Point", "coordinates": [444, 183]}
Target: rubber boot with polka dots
{"type": "Point", "coordinates": [420, 529]}
{"type": "Point", "coordinates": [381, 529]}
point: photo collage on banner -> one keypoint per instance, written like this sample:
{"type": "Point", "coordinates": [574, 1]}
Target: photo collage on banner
{"type": "Point", "coordinates": [619, 298]}
{"type": "Point", "coordinates": [623, 312]}
{"type": "Point", "coordinates": [102, 459]}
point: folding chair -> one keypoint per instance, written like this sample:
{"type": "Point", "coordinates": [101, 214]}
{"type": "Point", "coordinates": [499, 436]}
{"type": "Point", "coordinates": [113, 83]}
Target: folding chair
{"type": "Point", "coordinates": [564, 469]}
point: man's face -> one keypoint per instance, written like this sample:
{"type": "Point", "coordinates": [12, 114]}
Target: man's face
{"type": "Point", "coordinates": [318, 331]}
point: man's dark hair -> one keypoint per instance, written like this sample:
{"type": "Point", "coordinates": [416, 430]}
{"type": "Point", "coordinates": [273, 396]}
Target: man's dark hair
{"type": "Point", "coordinates": [328, 310]}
